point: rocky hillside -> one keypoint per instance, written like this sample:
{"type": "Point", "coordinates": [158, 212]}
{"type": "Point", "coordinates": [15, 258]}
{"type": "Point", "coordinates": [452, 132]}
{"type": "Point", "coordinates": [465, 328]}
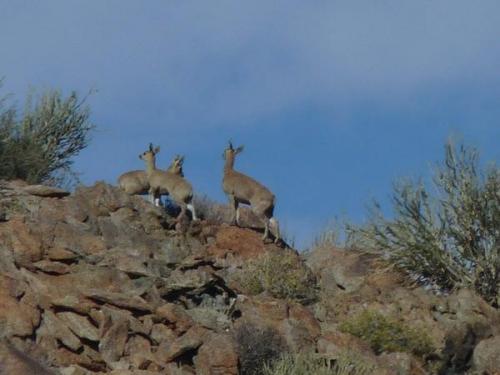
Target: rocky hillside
{"type": "Point", "coordinates": [98, 282]}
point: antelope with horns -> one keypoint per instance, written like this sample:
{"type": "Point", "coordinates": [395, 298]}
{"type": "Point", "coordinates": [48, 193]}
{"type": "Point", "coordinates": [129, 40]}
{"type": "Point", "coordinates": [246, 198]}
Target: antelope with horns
{"type": "Point", "coordinates": [136, 182]}
{"type": "Point", "coordinates": [169, 183]}
{"type": "Point", "coordinates": [240, 188]}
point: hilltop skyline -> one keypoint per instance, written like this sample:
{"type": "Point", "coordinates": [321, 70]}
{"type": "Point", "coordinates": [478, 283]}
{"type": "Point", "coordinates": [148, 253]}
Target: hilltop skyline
{"type": "Point", "coordinates": [332, 100]}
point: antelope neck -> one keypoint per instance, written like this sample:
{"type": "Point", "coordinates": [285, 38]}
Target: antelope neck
{"type": "Point", "coordinates": [229, 164]}
{"type": "Point", "coordinates": [150, 167]}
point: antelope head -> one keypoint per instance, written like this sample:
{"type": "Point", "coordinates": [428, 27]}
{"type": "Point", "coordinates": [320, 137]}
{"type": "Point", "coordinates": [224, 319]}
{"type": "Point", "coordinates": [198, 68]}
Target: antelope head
{"type": "Point", "coordinates": [230, 152]}
{"type": "Point", "coordinates": [149, 155]}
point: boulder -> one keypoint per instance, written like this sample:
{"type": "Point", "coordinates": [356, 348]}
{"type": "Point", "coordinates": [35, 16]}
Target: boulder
{"type": "Point", "coordinates": [187, 344]}
{"type": "Point", "coordinates": [79, 325]}
{"type": "Point", "coordinates": [19, 236]}
{"type": "Point", "coordinates": [295, 323]}
{"type": "Point", "coordinates": [17, 318]}
{"type": "Point", "coordinates": [53, 327]}
{"type": "Point", "coordinates": [15, 361]}
{"type": "Point", "coordinates": [114, 338]}
{"type": "Point", "coordinates": [176, 316]}
{"type": "Point", "coordinates": [401, 364]}
{"type": "Point", "coordinates": [486, 356]}
{"type": "Point", "coordinates": [339, 270]}
{"type": "Point", "coordinates": [233, 242]}
{"type": "Point", "coordinates": [124, 300]}
{"type": "Point", "coordinates": [45, 191]}
{"type": "Point", "coordinates": [217, 356]}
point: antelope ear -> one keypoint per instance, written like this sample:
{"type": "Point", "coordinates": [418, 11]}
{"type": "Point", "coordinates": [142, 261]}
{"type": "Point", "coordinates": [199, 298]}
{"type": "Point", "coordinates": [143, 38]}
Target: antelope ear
{"type": "Point", "coordinates": [239, 149]}
{"type": "Point", "coordinates": [156, 150]}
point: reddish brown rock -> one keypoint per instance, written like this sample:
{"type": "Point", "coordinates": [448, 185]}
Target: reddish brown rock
{"type": "Point", "coordinates": [24, 243]}
{"type": "Point", "coordinates": [127, 301]}
{"type": "Point", "coordinates": [16, 317]}
{"type": "Point", "coordinates": [340, 271]}
{"type": "Point", "coordinates": [108, 314]}
{"type": "Point", "coordinates": [54, 327]}
{"type": "Point", "coordinates": [217, 356]}
{"type": "Point", "coordinates": [63, 357]}
{"type": "Point", "coordinates": [52, 267]}
{"type": "Point", "coordinates": [112, 344]}
{"type": "Point", "coordinates": [79, 325]}
{"type": "Point", "coordinates": [174, 314]}
{"type": "Point", "coordinates": [231, 240]}
{"type": "Point", "coordinates": [401, 364]}
{"type": "Point", "coordinates": [333, 343]}
{"type": "Point", "coordinates": [59, 253]}
{"type": "Point", "coordinates": [138, 349]}
{"type": "Point", "coordinates": [77, 239]}
{"type": "Point", "coordinates": [294, 322]}
{"type": "Point", "coordinates": [188, 342]}
{"type": "Point", "coordinates": [161, 333]}
{"type": "Point", "coordinates": [305, 316]}
{"type": "Point", "coordinates": [15, 361]}
{"type": "Point", "coordinates": [486, 357]}
{"type": "Point", "coordinates": [76, 303]}
{"type": "Point", "coordinates": [45, 191]}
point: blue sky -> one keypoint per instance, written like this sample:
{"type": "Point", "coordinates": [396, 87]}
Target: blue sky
{"type": "Point", "coordinates": [332, 99]}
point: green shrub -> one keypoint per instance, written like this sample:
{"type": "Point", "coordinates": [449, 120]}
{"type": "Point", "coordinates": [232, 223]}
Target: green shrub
{"type": "Point", "coordinates": [387, 335]}
{"type": "Point", "coordinates": [309, 364]}
{"type": "Point", "coordinates": [448, 235]}
{"type": "Point", "coordinates": [282, 274]}
{"type": "Point", "coordinates": [38, 145]}
{"type": "Point", "coordinates": [257, 347]}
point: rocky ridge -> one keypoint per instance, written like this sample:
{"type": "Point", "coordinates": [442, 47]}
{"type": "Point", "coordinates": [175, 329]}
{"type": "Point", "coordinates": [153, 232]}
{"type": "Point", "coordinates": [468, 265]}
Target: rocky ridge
{"type": "Point", "coordinates": [99, 282]}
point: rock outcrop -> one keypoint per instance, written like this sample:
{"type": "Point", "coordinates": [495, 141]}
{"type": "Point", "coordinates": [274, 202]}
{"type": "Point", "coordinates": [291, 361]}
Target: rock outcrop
{"type": "Point", "coordinates": [99, 282]}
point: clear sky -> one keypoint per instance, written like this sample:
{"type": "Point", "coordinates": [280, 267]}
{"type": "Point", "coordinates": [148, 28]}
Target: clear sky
{"type": "Point", "coordinates": [332, 99]}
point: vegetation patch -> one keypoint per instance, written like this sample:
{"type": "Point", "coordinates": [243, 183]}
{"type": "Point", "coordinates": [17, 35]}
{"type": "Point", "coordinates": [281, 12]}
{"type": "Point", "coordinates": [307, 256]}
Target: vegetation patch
{"type": "Point", "coordinates": [388, 335]}
{"type": "Point", "coordinates": [310, 363]}
{"type": "Point", "coordinates": [38, 145]}
{"type": "Point", "coordinates": [257, 347]}
{"type": "Point", "coordinates": [446, 233]}
{"type": "Point", "coordinates": [282, 275]}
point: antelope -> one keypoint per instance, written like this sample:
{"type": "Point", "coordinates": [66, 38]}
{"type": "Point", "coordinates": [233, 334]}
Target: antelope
{"type": "Point", "coordinates": [176, 166]}
{"type": "Point", "coordinates": [240, 188]}
{"type": "Point", "coordinates": [136, 182]}
{"type": "Point", "coordinates": [168, 182]}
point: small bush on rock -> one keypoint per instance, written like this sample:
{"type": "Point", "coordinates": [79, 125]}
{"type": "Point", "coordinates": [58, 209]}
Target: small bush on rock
{"type": "Point", "coordinates": [281, 274]}
{"type": "Point", "coordinates": [387, 335]}
{"type": "Point", "coordinates": [449, 235]}
{"type": "Point", "coordinates": [39, 145]}
{"type": "Point", "coordinates": [257, 347]}
{"type": "Point", "coordinates": [308, 364]}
